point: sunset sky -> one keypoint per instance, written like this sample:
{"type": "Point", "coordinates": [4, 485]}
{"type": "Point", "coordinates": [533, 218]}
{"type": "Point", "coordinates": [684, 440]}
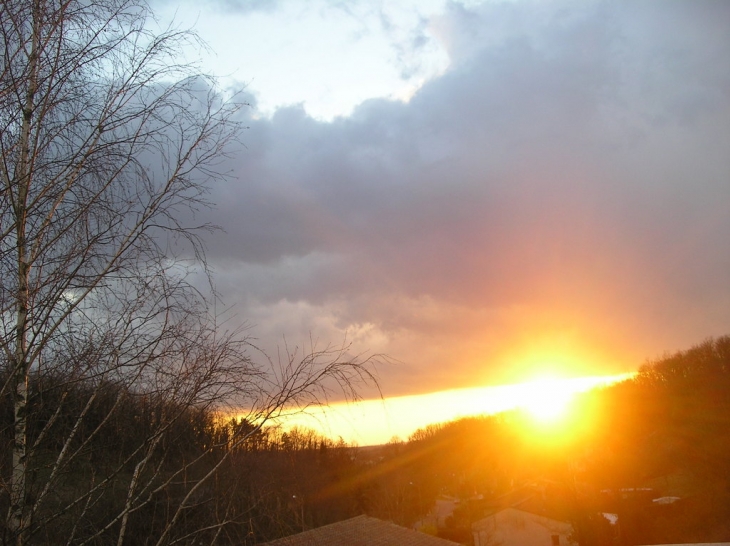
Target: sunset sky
{"type": "Point", "coordinates": [482, 190]}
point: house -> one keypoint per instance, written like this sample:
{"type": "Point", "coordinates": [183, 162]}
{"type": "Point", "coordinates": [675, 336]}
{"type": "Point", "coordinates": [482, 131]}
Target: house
{"type": "Point", "coordinates": [361, 531]}
{"type": "Point", "coordinates": [514, 527]}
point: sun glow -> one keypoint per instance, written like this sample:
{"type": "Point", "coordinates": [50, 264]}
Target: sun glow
{"type": "Point", "coordinates": [547, 403]}
{"type": "Point", "coordinates": [547, 400]}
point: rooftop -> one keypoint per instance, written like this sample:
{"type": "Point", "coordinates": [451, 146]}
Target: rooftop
{"type": "Point", "coordinates": [361, 531]}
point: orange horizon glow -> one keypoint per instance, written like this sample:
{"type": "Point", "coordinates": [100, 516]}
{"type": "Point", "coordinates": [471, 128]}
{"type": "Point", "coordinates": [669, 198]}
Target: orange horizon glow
{"type": "Point", "coordinates": [546, 400]}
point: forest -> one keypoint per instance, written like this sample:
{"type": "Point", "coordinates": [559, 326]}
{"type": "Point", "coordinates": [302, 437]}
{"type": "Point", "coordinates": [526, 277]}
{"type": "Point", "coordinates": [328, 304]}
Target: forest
{"type": "Point", "coordinates": [664, 433]}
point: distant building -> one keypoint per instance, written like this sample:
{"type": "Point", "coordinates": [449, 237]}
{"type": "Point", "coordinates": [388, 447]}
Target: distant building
{"type": "Point", "coordinates": [361, 531]}
{"type": "Point", "coordinates": [514, 527]}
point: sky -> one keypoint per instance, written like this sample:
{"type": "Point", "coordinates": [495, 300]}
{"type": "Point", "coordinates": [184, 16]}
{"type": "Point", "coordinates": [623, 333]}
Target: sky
{"type": "Point", "coordinates": [547, 402]}
{"type": "Point", "coordinates": [485, 191]}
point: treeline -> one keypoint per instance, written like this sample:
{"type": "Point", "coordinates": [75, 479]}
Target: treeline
{"type": "Point", "coordinates": [107, 444]}
{"type": "Point", "coordinates": [669, 430]}
{"type": "Point", "coordinates": [666, 433]}
{"type": "Point", "coordinates": [98, 445]}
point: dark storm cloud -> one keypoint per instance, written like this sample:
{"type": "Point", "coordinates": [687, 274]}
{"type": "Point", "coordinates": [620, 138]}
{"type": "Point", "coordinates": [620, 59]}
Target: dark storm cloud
{"type": "Point", "coordinates": [572, 158]}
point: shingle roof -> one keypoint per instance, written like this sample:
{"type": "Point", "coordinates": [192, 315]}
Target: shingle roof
{"type": "Point", "coordinates": [361, 531]}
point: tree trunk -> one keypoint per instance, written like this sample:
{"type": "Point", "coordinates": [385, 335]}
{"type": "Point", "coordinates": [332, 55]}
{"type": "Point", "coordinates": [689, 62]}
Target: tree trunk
{"type": "Point", "coordinates": [17, 519]}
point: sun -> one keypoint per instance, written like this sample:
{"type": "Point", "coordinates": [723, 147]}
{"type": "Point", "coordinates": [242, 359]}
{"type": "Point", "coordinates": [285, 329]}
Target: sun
{"type": "Point", "coordinates": [547, 401]}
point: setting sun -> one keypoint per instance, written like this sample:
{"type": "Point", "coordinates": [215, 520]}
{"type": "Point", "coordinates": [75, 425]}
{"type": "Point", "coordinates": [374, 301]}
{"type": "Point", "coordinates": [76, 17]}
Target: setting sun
{"type": "Point", "coordinates": [547, 400]}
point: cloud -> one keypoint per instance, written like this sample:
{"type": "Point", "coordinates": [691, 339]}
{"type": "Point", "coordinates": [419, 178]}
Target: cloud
{"type": "Point", "coordinates": [562, 187]}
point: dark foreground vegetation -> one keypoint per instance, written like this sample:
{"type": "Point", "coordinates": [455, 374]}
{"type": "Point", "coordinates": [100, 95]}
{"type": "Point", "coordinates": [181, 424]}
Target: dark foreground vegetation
{"type": "Point", "coordinates": [664, 434]}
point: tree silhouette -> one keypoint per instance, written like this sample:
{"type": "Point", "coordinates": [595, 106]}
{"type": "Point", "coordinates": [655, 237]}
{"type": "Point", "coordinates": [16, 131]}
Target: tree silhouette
{"type": "Point", "coordinates": [113, 366]}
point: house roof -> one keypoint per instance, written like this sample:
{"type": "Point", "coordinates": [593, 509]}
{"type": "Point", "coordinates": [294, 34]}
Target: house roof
{"type": "Point", "coordinates": [512, 515]}
{"type": "Point", "coordinates": [361, 531]}
{"type": "Point", "coordinates": [514, 527]}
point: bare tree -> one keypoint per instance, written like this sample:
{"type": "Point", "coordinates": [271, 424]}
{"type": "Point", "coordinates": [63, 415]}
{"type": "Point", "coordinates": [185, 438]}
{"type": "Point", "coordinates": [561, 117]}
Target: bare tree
{"type": "Point", "coordinates": [110, 353]}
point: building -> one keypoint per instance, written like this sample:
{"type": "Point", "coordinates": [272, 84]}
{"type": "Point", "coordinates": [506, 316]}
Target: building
{"type": "Point", "coordinates": [361, 531]}
{"type": "Point", "coordinates": [514, 527]}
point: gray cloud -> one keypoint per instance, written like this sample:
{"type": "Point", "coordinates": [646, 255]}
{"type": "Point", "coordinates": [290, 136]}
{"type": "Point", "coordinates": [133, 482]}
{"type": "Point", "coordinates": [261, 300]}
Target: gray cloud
{"type": "Point", "coordinates": [569, 172]}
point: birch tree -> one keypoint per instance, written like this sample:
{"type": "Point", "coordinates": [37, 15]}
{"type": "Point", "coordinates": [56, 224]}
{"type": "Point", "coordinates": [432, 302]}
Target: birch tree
{"type": "Point", "coordinates": [107, 144]}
